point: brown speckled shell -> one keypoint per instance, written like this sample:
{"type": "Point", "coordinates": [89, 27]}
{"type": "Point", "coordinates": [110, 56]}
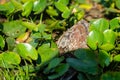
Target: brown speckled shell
{"type": "Point", "coordinates": [74, 38]}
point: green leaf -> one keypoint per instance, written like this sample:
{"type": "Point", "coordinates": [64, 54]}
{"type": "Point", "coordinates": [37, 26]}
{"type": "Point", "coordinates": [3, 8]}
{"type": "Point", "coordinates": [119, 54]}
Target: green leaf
{"type": "Point", "coordinates": [109, 36]}
{"type": "Point", "coordinates": [95, 39]}
{"type": "Point", "coordinates": [114, 23]}
{"type": "Point", "coordinates": [30, 25]}
{"type": "Point", "coordinates": [9, 59]}
{"type": "Point", "coordinates": [53, 63]}
{"type": "Point", "coordinates": [13, 28]}
{"type": "Point", "coordinates": [41, 27]}
{"type": "Point", "coordinates": [10, 43]}
{"type": "Point", "coordinates": [99, 24]}
{"type": "Point", "coordinates": [116, 57]}
{"type": "Point", "coordinates": [66, 13]}
{"type": "Point", "coordinates": [27, 8]}
{"type": "Point", "coordinates": [104, 58]}
{"type": "Point", "coordinates": [107, 46]}
{"type": "Point", "coordinates": [51, 11]}
{"type": "Point", "coordinates": [110, 76]}
{"type": "Point", "coordinates": [86, 66]}
{"type": "Point", "coordinates": [18, 6]}
{"type": "Point", "coordinates": [47, 52]}
{"type": "Point", "coordinates": [61, 7]}
{"type": "Point", "coordinates": [26, 51]}
{"type": "Point", "coordinates": [65, 2]}
{"type": "Point", "coordinates": [10, 8]}
{"type": "Point", "coordinates": [2, 42]}
{"type": "Point", "coordinates": [117, 3]}
{"type": "Point", "coordinates": [59, 71]}
{"type": "Point", "coordinates": [39, 6]}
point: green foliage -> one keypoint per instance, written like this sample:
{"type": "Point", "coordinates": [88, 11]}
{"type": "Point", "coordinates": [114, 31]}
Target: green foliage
{"type": "Point", "coordinates": [28, 49]}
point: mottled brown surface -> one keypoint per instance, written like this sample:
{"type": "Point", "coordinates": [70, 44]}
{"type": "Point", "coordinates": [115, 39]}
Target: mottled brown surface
{"type": "Point", "coordinates": [74, 38]}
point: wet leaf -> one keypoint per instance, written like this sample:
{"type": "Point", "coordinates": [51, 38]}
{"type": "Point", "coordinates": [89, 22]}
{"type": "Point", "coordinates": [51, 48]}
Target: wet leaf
{"type": "Point", "coordinates": [95, 39]}
{"type": "Point", "coordinates": [26, 51]}
{"type": "Point", "coordinates": [99, 24]}
{"type": "Point", "coordinates": [39, 6]}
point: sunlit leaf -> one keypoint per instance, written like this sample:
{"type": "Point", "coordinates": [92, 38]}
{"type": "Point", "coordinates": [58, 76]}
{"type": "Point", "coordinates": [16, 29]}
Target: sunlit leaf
{"type": "Point", "coordinates": [2, 42]}
{"type": "Point", "coordinates": [116, 57]}
{"type": "Point", "coordinates": [99, 24]}
{"type": "Point", "coordinates": [114, 23]}
{"type": "Point", "coordinates": [30, 25]}
{"type": "Point", "coordinates": [26, 51]}
{"type": "Point", "coordinates": [65, 2]}
{"type": "Point", "coordinates": [61, 6]}
{"type": "Point", "coordinates": [95, 39]}
{"type": "Point", "coordinates": [51, 11]}
{"type": "Point", "coordinates": [117, 2]}
{"type": "Point", "coordinates": [66, 13]}
{"type": "Point", "coordinates": [39, 6]}
{"type": "Point", "coordinates": [27, 8]}
{"type": "Point", "coordinates": [13, 28]}
{"type": "Point", "coordinates": [47, 52]}
{"type": "Point", "coordinates": [8, 59]}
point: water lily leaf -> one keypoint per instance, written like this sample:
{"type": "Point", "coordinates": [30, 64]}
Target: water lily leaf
{"type": "Point", "coordinates": [2, 42]}
{"type": "Point", "coordinates": [53, 63]}
{"type": "Point", "coordinates": [116, 57]}
{"type": "Point", "coordinates": [26, 51]}
{"type": "Point", "coordinates": [114, 23]}
{"type": "Point", "coordinates": [39, 6]}
{"type": "Point", "coordinates": [99, 24]}
{"type": "Point", "coordinates": [104, 58]}
{"type": "Point", "coordinates": [110, 76]}
{"type": "Point", "coordinates": [95, 39]}
{"type": "Point", "coordinates": [27, 8]}
{"type": "Point", "coordinates": [8, 59]}
{"type": "Point", "coordinates": [59, 71]}
{"type": "Point", "coordinates": [109, 36]}
{"type": "Point", "coordinates": [47, 52]}
{"type": "Point", "coordinates": [66, 13]}
{"type": "Point", "coordinates": [86, 66]}
{"type": "Point", "coordinates": [61, 6]}
{"type": "Point", "coordinates": [13, 28]}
